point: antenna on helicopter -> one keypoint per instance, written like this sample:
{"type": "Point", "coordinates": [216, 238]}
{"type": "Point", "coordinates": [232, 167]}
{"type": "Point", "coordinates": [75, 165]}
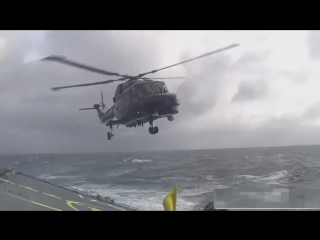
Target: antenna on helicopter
{"type": "Point", "coordinates": [103, 106]}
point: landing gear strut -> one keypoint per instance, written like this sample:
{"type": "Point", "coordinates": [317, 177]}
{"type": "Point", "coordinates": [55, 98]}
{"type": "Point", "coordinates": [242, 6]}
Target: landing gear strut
{"type": "Point", "coordinates": [153, 129]}
{"type": "Point", "coordinates": [110, 134]}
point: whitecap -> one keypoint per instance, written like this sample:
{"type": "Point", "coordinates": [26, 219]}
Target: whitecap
{"type": "Point", "coordinates": [273, 178]}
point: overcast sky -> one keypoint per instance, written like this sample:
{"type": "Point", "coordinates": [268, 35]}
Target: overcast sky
{"type": "Point", "coordinates": [266, 92]}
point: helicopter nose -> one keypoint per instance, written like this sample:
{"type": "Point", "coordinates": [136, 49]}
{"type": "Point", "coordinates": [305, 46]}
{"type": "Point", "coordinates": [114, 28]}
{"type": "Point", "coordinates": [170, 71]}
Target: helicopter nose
{"type": "Point", "coordinates": [163, 100]}
{"type": "Point", "coordinates": [162, 104]}
{"type": "Point", "coordinates": [171, 101]}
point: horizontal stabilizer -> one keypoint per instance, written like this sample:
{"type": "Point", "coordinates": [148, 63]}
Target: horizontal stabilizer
{"type": "Point", "coordinates": [86, 109]}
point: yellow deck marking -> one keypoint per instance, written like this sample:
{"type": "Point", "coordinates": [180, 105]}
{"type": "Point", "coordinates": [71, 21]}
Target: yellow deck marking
{"type": "Point", "coordinates": [36, 203]}
{"type": "Point", "coordinates": [69, 202]}
{"type": "Point", "coordinates": [72, 203]}
{"type": "Point", "coordinates": [51, 195]}
{"type": "Point", "coordinates": [7, 181]}
{"type": "Point", "coordinates": [45, 206]}
{"type": "Point", "coordinates": [29, 188]}
{"type": "Point", "coordinates": [94, 209]}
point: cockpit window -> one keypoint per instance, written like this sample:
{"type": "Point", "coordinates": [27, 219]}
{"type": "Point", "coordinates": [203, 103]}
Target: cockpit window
{"type": "Point", "coordinates": [154, 87]}
{"type": "Point", "coordinates": [141, 90]}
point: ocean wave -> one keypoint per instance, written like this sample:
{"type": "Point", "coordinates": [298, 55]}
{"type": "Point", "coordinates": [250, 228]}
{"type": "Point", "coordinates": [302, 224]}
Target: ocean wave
{"type": "Point", "coordinates": [171, 178]}
{"type": "Point", "coordinates": [78, 182]}
{"type": "Point", "coordinates": [207, 188]}
{"type": "Point", "coordinates": [273, 178]}
{"type": "Point", "coordinates": [206, 177]}
{"type": "Point", "coordinates": [52, 177]}
{"type": "Point", "coordinates": [117, 173]}
{"type": "Point", "coordinates": [135, 160]}
{"type": "Point", "coordinates": [145, 199]}
{"type": "Point", "coordinates": [277, 156]}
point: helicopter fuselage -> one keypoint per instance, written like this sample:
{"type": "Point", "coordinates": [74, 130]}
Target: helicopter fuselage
{"type": "Point", "coordinates": [141, 102]}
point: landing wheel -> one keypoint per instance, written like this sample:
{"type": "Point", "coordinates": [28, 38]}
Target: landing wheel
{"type": "Point", "coordinates": [110, 134]}
{"type": "Point", "coordinates": [153, 130]}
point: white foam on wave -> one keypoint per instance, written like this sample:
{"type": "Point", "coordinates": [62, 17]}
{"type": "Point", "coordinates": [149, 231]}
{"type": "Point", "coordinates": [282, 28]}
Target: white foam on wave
{"type": "Point", "coordinates": [80, 182]}
{"type": "Point", "coordinates": [50, 177]}
{"type": "Point", "coordinates": [145, 199]}
{"type": "Point", "coordinates": [171, 178]}
{"type": "Point", "coordinates": [207, 177]}
{"type": "Point", "coordinates": [131, 160]}
{"type": "Point", "coordinates": [117, 173]}
{"type": "Point", "coordinates": [273, 178]}
{"type": "Point", "coordinates": [277, 156]}
{"type": "Point", "coordinates": [207, 188]}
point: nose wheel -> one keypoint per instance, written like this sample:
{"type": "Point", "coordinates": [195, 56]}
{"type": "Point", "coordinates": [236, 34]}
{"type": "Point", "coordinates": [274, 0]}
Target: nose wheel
{"type": "Point", "coordinates": [153, 129]}
{"type": "Point", "coordinates": [110, 134]}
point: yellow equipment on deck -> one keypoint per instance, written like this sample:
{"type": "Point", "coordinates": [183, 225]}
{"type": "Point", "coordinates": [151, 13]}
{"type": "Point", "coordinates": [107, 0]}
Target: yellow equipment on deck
{"type": "Point", "coordinates": [170, 201]}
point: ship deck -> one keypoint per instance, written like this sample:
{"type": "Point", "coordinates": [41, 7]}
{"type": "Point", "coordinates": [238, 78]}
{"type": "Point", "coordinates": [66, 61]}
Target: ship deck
{"type": "Point", "coordinates": [21, 192]}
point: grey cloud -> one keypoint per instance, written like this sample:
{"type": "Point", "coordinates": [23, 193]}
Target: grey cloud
{"type": "Point", "coordinates": [250, 90]}
{"type": "Point", "coordinates": [209, 75]}
{"type": "Point", "coordinates": [205, 78]}
{"type": "Point", "coordinates": [312, 113]}
{"type": "Point", "coordinates": [46, 121]}
{"type": "Point", "coordinates": [36, 120]}
{"type": "Point", "coordinates": [297, 77]}
{"type": "Point", "coordinates": [314, 44]}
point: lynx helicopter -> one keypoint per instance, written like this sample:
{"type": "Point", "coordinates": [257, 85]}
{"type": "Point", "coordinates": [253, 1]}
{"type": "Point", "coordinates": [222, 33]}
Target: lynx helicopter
{"type": "Point", "coordinates": [136, 101]}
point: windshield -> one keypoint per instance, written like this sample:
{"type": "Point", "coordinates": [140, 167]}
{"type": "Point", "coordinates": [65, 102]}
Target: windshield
{"type": "Point", "coordinates": [152, 87]}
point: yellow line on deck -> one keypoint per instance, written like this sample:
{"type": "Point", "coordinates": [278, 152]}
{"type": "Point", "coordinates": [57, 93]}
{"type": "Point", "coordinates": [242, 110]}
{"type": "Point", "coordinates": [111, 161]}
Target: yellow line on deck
{"type": "Point", "coordinates": [45, 206]}
{"type": "Point", "coordinates": [72, 204]}
{"type": "Point", "coordinates": [29, 188]}
{"type": "Point", "coordinates": [51, 195]}
{"type": "Point", "coordinates": [7, 181]}
{"type": "Point", "coordinates": [36, 203]}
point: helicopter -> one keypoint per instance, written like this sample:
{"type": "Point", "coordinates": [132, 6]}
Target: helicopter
{"type": "Point", "coordinates": [136, 101]}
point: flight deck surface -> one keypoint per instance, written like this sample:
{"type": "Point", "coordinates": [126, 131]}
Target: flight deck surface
{"type": "Point", "coordinates": [19, 191]}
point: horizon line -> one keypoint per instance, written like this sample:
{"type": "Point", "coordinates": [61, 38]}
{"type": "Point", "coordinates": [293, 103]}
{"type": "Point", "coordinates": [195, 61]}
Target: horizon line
{"type": "Point", "coordinates": [172, 150]}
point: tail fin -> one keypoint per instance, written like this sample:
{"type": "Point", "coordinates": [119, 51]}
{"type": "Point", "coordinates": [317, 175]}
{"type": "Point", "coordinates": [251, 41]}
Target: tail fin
{"type": "Point", "coordinates": [95, 107]}
{"type": "Point", "coordinates": [170, 201]}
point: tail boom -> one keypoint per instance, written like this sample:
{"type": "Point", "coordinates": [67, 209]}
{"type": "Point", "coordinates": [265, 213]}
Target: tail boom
{"type": "Point", "coordinates": [107, 116]}
{"type": "Point", "coordinates": [104, 117]}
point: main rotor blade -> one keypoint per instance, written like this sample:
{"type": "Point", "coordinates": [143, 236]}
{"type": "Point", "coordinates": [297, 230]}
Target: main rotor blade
{"type": "Point", "coordinates": [81, 109]}
{"type": "Point", "coordinates": [201, 56]}
{"type": "Point", "coordinates": [87, 84]}
{"type": "Point", "coordinates": [164, 78]}
{"type": "Point", "coordinates": [64, 60]}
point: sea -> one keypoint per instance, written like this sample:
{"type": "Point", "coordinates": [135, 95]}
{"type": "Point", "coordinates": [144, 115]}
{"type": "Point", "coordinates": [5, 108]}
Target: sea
{"type": "Point", "coordinates": [266, 177]}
